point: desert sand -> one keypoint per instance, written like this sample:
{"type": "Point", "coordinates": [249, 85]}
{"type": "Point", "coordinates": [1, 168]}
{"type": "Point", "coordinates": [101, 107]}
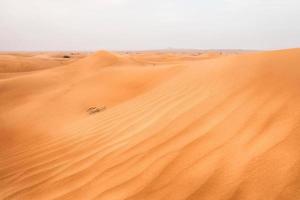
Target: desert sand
{"type": "Point", "coordinates": [150, 126]}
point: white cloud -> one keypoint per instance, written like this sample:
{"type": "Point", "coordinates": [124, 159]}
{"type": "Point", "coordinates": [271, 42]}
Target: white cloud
{"type": "Point", "coordinates": [133, 24]}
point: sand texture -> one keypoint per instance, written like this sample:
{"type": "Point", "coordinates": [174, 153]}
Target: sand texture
{"type": "Point", "coordinates": [150, 126]}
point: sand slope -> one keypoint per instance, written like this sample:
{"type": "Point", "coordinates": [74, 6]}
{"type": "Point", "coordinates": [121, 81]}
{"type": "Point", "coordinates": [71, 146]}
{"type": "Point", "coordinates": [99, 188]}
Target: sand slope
{"type": "Point", "coordinates": [176, 126]}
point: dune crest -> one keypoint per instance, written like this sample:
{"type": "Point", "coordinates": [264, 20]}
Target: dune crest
{"type": "Point", "coordinates": [103, 58]}
{"type": "Point", "coordinates": [175, 126]}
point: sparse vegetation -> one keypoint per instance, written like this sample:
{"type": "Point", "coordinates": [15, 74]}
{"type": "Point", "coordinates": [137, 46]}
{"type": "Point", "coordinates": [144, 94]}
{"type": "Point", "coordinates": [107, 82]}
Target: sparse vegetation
{"type": "Point", "coordinates": [93, 110]}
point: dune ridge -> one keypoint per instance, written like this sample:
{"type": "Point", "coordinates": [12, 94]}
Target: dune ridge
{"type": "Point", "coordinates": [176, 126]}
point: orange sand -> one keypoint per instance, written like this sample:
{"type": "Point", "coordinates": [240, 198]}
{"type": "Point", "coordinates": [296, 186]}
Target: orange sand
{"type": "Point", "coordinates": [175, 126]}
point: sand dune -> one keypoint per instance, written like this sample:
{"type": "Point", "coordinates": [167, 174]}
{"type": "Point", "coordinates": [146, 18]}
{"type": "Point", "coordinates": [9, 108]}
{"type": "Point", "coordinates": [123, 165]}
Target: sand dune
{"type": "Point", "coordinates": [25, 62]}
{"type": "Point", "coordinates": [175, 126]}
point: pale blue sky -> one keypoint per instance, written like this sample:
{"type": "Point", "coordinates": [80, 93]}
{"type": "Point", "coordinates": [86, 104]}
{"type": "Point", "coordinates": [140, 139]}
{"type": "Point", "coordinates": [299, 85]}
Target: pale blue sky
{"type": "Point", "coordinates": [148, 24]}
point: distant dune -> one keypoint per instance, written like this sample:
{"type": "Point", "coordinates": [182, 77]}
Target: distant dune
{"type": "Point", "coordinates": [150, 126]}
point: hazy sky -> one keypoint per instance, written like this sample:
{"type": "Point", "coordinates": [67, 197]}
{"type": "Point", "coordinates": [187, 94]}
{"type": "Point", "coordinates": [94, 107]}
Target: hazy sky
{"type": "Point", "coordinates": [148, 24]}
